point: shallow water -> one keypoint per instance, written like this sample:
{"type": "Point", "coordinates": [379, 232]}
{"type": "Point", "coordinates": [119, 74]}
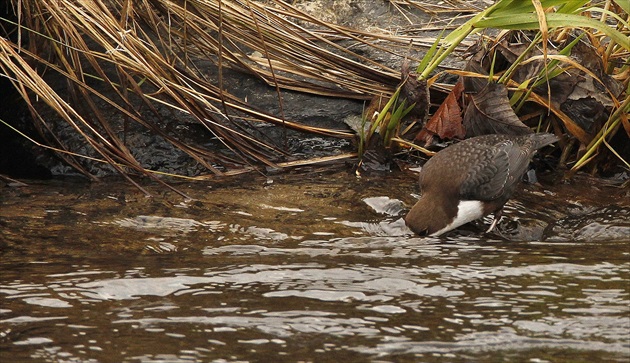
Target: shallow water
{"type": "Point", "coordinates": [300, 267]}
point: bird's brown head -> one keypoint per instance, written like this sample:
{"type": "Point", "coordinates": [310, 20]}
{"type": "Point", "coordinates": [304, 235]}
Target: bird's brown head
{"type": "Point", "coordinates": [429, 216]}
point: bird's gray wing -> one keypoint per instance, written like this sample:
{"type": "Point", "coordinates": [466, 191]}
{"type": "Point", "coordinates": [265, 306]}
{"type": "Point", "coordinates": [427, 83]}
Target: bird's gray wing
{"type": "Point", "coordinates": [487, 179]}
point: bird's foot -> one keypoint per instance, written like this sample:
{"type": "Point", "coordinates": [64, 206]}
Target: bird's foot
{"type": "Point", "coordinates": [497, 216]}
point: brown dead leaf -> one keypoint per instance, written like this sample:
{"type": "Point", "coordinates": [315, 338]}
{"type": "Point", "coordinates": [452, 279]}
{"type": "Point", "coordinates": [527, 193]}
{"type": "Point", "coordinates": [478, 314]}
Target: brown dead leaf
{"type": "Point", "coordinates": [489, 112]}
{"type": "Point", "coordinates": [446, 122]}
{"type": "Point", "coordinates": [415, 92]}
{"type": "Point", "coordinates": [477, 64]}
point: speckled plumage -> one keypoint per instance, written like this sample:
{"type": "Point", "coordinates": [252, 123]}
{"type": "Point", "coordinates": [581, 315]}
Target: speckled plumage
{"type": "Point", "coordinates": [483, 168]}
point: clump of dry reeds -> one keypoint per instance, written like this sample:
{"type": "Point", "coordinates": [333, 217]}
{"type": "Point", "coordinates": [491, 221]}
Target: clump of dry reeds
{"type": "Point", "coordinates": [127, 56]}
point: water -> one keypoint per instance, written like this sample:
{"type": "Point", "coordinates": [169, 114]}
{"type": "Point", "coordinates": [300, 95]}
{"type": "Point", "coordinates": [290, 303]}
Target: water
{"type": "Point", "coordinates": [299, 268]}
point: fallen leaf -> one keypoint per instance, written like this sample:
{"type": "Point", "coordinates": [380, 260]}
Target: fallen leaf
{"type": "Point", "coordinates": [415, 92]}
{"type": "Point", "coordinates": [478, 64]}
{"type": "Point", "coordinates": [489, 112]}
{"type": "Point", "coordinates": [446, 122]}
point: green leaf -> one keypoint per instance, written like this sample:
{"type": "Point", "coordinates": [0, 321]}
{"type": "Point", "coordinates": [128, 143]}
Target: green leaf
{"type": "Point", "coordinates": [386, 108]}
{"type": "Point", "coordinates": [624, 5]}
{"type": "Point", "coordinates": [571, 7]}
{"type": "Point", "coordinates": [513, 21]}
{"type": "Point", "coordinates": [530, 22]}
{"type": "Point", "coordinates": [430, 54]}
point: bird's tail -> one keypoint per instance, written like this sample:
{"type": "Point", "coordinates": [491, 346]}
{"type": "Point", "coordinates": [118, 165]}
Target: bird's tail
{"type": "Point", "coordinates": [542, 139]}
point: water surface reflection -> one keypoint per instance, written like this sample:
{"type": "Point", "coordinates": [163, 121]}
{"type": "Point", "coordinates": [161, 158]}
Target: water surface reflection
{"type": "Point", "coordinates": [254, 275]}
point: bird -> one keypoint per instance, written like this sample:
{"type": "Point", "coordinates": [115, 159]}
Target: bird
{"type": "Point", "coordinates": [471, 179]}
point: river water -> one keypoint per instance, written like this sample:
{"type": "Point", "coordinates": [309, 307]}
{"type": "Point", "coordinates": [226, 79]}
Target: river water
{"type": "Point", "coordinates": [308, 266]}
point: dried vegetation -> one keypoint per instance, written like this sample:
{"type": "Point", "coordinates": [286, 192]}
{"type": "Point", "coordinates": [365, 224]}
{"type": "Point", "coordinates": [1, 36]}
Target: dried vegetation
{"type": "Point", "coordinates": [123, 60]}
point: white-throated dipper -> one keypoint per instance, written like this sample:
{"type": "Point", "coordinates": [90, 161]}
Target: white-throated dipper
{"type": "Point", "coordinates": [471, 179]}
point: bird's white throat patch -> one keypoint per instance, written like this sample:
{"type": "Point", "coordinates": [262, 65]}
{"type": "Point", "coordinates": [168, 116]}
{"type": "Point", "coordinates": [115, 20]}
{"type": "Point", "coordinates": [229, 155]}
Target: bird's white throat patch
{"type": "Point", "coordinates": [467, 211]}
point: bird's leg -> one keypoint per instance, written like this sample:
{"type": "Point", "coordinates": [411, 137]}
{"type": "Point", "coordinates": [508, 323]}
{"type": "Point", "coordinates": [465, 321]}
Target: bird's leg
{"type": "Point", "coordinates": [497, 216]}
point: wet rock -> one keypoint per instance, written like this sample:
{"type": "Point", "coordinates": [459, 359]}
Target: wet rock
{"type": "Point", "coordinates": [522, 229]}
{"type": "Point", "coordinates": [602, 224]}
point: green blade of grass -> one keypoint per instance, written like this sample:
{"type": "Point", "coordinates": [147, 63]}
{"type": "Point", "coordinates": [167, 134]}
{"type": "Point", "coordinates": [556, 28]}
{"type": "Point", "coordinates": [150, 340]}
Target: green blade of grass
{"type": "Point", "coordinates": [530, 22]}
{"type": "Point", "coordinates": [624, 5]}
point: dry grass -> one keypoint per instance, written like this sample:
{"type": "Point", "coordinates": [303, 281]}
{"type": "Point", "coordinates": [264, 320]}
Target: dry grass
{"type": "Point", "coordinates": [150, 53]}
{"type": "Point", "coordinates": [126, 53]}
